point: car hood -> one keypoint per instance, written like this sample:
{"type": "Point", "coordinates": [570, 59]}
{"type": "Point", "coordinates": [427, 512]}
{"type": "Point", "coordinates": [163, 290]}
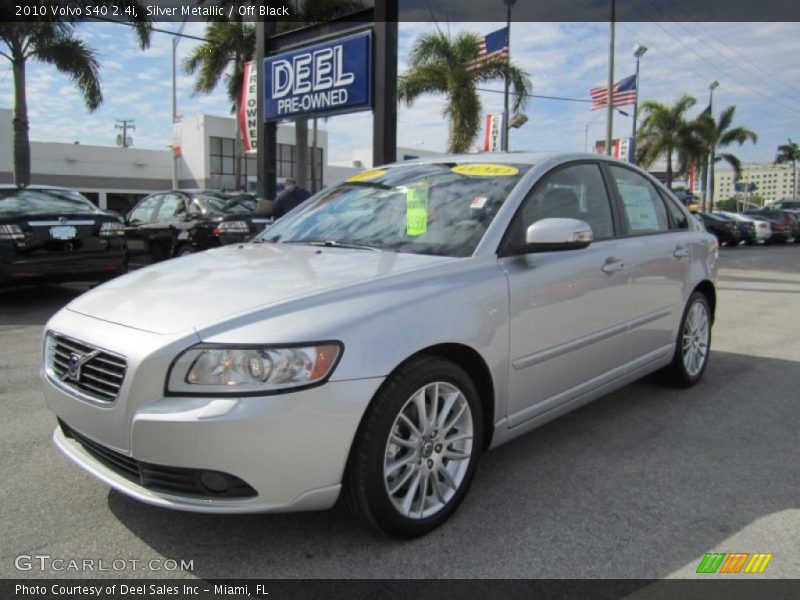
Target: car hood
{"type": "Point", "coordinates": [207, 287]}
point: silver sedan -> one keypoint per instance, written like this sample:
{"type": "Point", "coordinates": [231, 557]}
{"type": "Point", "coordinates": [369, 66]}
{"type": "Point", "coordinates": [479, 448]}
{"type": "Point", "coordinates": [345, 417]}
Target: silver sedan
{"type": "Point", "coordinates": [381, 337]}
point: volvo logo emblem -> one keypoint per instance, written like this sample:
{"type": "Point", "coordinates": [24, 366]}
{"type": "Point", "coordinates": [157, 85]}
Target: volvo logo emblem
{"type": "Point", "coordinates": [63, 220]}
{"type": "Point", "coordinates": [74, 364]}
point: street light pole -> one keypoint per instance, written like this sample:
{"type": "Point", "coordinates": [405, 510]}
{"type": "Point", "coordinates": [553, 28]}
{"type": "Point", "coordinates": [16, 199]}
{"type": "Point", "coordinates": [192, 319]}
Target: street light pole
{"type": "Point", "coordinates": [504, 139]}
{"type": "Point", "coordinates": [638, 52]}
{"type": "Point", "coordinates": [610, 90]}
{"type": "Point", "coordinates": [712, 157]}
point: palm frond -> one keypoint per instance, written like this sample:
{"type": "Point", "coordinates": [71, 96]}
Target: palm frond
{"type": "Point", "coordinates": [72, 57]}
{"type": "Point", "coordinates": [423, 79]}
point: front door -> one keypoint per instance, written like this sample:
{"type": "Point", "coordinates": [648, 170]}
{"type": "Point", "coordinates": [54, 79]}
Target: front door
{"type": "Point", "coordinates": [568, 308]}
{"type": "Point", "coordinates": [142, 215]}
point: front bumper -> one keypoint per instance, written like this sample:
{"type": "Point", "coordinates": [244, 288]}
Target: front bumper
{"type": "Point", "coordinates": [290, 448]}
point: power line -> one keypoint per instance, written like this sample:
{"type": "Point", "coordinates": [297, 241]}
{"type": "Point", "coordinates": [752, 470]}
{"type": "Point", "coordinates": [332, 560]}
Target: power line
{"type": "Point", "coordinates": [158, 29]}
{"type": "Point", "coordinates": [564, 98]}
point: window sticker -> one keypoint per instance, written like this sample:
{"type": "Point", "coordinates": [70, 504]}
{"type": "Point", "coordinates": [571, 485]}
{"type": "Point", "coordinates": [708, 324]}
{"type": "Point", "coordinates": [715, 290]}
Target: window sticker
{"type": "Point", "coordinates": [638, 207]}
{"type": "Point", "coordinates": [478, 202]}
{"type": "Point", "coordinates": [367, 175]}
{"type": "Point", "coordinates": [485, 170]}
{"type": "Point", "coordinates": [416, 210]}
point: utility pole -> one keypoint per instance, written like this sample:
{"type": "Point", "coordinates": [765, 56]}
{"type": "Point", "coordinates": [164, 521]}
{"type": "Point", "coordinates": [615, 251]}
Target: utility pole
{"type": "Point", "coordinates": [610, 91]}
{"type": "Point", "coordinates": [124, 125]}
{"type": "Point", "coordinates": [713, 157]}
{"type": "Point", "coordinates": [638, 52]}
{"type": "Point", "coordinates": [175, 41]}
{"type": "Point", "coordinates": [504, 138]}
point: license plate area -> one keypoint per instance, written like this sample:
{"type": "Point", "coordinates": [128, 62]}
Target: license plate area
{"type": "Point", "coordinates": [63, 232]}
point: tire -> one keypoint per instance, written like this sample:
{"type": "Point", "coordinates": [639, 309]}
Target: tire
{"type": "Point", "coordinates": [389, 500]}
{"type": "Point", "coordinates": [183, 250]}
{"type": "Point", "coordinates": [695, 331]}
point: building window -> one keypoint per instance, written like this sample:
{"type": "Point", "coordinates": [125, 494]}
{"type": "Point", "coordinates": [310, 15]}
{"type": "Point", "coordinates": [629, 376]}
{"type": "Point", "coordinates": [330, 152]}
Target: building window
{"type": "Point", "coordinates": [221, 159]}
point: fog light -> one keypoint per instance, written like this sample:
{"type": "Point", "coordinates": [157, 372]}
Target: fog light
{"type": "Point", "coordinates": [214, 482]}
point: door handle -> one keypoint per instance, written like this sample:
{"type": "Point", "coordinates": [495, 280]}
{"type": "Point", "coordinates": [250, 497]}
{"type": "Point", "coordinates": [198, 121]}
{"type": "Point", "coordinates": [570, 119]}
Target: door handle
{"type": "Point", "coordinates": [681, 252]}
{"type": "Point", "coordinates": [612, 265]}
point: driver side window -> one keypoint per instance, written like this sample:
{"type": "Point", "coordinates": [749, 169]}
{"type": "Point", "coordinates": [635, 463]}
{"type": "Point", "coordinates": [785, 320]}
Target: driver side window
{"type": "Point", "coordinates": [573, 192]}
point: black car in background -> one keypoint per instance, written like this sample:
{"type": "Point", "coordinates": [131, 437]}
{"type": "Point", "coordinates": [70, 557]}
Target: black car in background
{"type": "Point", "coordinates": [747, 229]}
{"type": "Point", "coordinates": [248, 210]}
{"type": "Point", "coordinates": [178, 222]}
{"type": "Point", "coordinates": [725, 230]}
{"type": "Point", "coordinates": [51, 235]}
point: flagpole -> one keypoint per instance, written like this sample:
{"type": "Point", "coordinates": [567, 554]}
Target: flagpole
{"type": "Point", "coordinates": [504, 138]}
{"type": "Point", "coordinates": [638, 53]}
{"type": "Point", "coordinates": [610, 91]}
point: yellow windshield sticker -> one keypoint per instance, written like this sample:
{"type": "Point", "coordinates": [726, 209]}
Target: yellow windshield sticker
{"type": "Point", "coordinates": [416, 210]}
{"type": "Point", "coordinates": [485, 170]}
{"type": "Point", "coordinates": [367, 175]}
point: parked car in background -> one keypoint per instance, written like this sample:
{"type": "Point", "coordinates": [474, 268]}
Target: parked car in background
{"type": "Point", "coordinates": [51, 234]}
{"type": "Point", "coordinates": [247, 208]}
{"type": "Point", "coordinates": [793, 205]}
{"type": "Point", "coordinates": [725, 230]}
{"type": "Point", "coordinates": [747, 229]}
{"type": "Point", "coordinates": [762, 229]}
{"type": "Point", "coordinates": [377, 340]}
{"type": "Point", "coordinates": [790, 221]}
{"type": "Point", "coordinates": [179, 222]}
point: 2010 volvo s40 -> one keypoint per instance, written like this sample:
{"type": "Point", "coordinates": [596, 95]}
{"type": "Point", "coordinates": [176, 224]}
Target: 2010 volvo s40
{"type": "Point", "coordinates": [382, 336]}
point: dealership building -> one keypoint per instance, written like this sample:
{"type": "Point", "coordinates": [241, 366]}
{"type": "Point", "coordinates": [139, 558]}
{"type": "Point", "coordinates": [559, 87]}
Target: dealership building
{"type": "Point", "coordinates": [115, 177]}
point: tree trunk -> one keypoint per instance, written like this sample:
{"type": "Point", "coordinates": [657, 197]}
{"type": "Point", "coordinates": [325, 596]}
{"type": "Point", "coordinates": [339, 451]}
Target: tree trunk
{"type": "Point", "coordinates": [22, 146]}
{"type": "Point", "coordinates": [669, 171]}
{"type": "Point", "coordinates": [301, 143]}
{"type": "Point", "coordinates": [237, 150]}
{"type": "Point", "coordinates": [704, 181]}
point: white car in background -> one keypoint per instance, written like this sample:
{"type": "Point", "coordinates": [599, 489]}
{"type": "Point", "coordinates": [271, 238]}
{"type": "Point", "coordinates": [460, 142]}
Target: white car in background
{"type": "Point", "coordinates": [763, 230]}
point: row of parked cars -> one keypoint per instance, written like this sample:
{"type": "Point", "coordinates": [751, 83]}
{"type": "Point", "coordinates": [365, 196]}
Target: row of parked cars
{"type": "Point", "coordinates": [50, 234]}
{"type": "Point", "coordinates": [777, 224]}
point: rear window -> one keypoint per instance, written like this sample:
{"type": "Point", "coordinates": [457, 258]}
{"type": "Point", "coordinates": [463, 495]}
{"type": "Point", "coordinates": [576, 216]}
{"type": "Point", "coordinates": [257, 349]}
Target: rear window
{"type": "Point", "coordinates": [16, 202]}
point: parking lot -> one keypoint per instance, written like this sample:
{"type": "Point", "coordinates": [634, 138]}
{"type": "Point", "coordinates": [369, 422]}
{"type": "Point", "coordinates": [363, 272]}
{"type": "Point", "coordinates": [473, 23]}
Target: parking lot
{"type": "Point", "coordinates": [640, 484]}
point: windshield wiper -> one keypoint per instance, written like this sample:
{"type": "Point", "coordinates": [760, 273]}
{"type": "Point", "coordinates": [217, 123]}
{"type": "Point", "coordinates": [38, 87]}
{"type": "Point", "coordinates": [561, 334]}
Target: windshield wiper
{"type": "Point", "coordinates": [336, 244]}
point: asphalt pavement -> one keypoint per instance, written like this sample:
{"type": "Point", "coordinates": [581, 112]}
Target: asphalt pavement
{"type": "Point", "coordinates": [639, 484]}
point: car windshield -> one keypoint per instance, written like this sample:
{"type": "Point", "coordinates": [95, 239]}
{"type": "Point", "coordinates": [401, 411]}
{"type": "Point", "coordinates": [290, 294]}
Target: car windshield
{"type": "Point", "coordinates": [15, 202]}
{"type": "Point", "coordinates": [441, 209]}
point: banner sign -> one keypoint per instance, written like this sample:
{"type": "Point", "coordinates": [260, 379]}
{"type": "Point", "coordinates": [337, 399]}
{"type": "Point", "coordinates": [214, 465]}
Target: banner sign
{"type": "Point", "coordinates": [620, 148]}
{"type": "Point", "coordinates": [321, 80]}
{"type": "Point", "coordinates": [491, 140]}
{"type": "Point", "coordinates": [248, 112]}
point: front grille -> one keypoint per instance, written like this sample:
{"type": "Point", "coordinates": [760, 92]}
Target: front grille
{"type": "Point", "coordinates": [173, 480]}
{"type": "Point", "coordinates": [98, 374]}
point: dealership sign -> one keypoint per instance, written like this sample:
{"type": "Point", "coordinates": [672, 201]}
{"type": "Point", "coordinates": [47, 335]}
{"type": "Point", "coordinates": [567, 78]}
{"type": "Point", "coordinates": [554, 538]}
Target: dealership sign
{"type": "Point", "coordinates": [321, 80]}
{"type": "Point", "coordinates": [248, 112]}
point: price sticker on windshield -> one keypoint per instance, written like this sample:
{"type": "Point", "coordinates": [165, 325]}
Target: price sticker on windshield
{"type": "Point", "coordinates": [416, 210]}
{"type": "Point", "coordinates": [485, 170]}
{"type": "Point", "coordinates": [367, 175]}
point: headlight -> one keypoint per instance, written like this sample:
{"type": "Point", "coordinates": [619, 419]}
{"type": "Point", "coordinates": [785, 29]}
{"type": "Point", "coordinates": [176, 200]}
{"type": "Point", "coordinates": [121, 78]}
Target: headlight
{"type": "Point", "coordinates": [251, 370]}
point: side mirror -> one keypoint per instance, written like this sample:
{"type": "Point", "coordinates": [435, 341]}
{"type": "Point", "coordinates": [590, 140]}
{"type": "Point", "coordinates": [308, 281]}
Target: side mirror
{"type": "Point", "coordinates": [550, 235]}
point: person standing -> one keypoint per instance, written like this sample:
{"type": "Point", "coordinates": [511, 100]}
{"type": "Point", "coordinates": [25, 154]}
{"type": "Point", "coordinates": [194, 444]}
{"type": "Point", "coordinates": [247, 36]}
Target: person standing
{"type": "Point", "coordinates": [291, 196]}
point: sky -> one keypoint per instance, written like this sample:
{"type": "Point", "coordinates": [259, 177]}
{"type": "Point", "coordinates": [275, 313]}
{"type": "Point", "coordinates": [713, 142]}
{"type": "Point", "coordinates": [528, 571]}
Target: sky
{"type": "Point", "coordinates": [755, 63]}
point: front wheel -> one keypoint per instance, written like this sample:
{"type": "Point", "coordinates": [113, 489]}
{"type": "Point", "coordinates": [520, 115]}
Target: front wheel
{"type": "Point", "coordinates": [416, 450]}
{"type": "Point", "coordinates": [693, 344]}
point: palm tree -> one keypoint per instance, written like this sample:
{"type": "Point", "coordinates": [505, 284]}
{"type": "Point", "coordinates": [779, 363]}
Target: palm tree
{"type": "Point", "coordinates": [712, 137]}
{"type": "Point", "coordinates": [227, 47]}
{"type": "Point", "coordinates": [789, 153]}
{"type": "Point", "coordinates": [441, 64]}
{"type": "Point", "coordinates": [665, 131]}
{"type": "Point", "coordinates": [53, 43]}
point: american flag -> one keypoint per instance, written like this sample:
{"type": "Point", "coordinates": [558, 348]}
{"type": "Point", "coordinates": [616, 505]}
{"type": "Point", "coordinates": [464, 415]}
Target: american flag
{"type": "Point", "coordinates": [624, 93]}
{"type": "Point", "coordinates": [492, 46]}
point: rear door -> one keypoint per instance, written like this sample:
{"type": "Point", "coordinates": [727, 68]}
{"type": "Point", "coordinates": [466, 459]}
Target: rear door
{"type": "Point", "coordinates": [567, 308]}
{"type": "Point", "coordinates": [169, 222]}
{"type": "Point", "coordinates": [657, 248]}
